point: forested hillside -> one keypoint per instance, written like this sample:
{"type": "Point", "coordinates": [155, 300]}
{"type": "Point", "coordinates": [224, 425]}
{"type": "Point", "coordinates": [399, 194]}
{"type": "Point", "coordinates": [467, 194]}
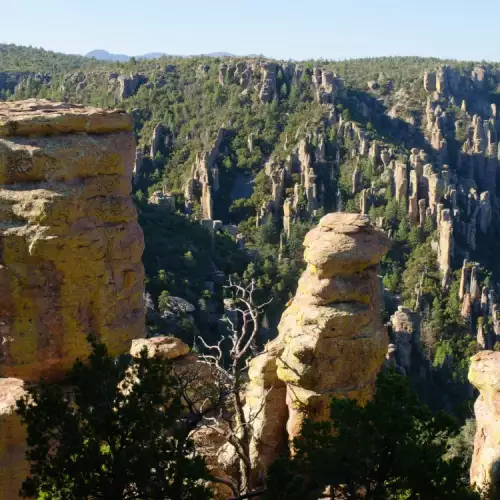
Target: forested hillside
{"type": "Point", "coordinates": [238, 158]}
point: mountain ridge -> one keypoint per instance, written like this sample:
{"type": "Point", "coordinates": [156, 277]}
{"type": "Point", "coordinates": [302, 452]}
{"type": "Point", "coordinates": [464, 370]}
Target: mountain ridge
{"type": "Point", "coordinates": [104, 55]}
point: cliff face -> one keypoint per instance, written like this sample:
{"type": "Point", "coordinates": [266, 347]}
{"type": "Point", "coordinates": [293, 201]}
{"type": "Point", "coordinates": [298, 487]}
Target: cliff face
{"type": "Point", "coordinates": [70, 259]}
{"type": "Point", "coordinates": [484, 373]}
{"type": "Point", "coordinates": [70, 251]}
{"type": "Point", "coordinates": [331, 340]}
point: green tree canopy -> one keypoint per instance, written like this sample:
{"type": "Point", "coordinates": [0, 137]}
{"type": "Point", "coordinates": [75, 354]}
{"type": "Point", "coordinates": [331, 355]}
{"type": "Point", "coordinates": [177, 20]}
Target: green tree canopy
{"type": "Point", "coordinates": [119, 434]}
{"type": "Point", "coordinates": [392, 448]}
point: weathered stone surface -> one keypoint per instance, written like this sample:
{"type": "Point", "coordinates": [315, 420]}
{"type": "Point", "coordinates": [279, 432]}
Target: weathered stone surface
{"type": "Point", "coordinates": [485, 214]}
{"type": "Point", "coordinates": [13, 468]}
{"type": "Point", "coordinates": [204, 180]}
{"type": "Point", "coordinates": [430, 81]}
{"type": "Point", "coordinates": [39, 117]}
{"type": "Point", "coordinates": [406, 333]}
{"type": "Point", "coordinates": [71, 246]}
{"type": "Point", "coordinates": [159, 140]}
{"type": "Point", "coordinates": [130, 84]}
{"type": "Point", "coordinates": [401, 181]}
{"type": "Point", "coordinates": [343, 244]}
{"type": "Point", "coordinates": [445, 245]}
{"type": "Point", "coordinates": [484, 373]}
{"type": "Point", "coordinates": [266, 407]}
{"type": "Point", "coordinates": [268, 90]}
{"type": "Point", "coordinates": [167, 347]}
{"type": "Point", "coordinates": [331, 341]}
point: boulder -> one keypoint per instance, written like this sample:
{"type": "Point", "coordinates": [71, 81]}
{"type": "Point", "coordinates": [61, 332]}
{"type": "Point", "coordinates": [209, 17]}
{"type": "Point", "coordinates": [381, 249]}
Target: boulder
{"type": "Point", "coordinates": [168, 347]}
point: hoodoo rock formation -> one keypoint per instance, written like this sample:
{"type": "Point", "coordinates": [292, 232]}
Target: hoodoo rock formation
{"type": "Point", "coordinates": [484, 373]}
{"type": "Point", "coordinates": [70, 251]}
{"type": "Point", "coordinates": [71, 245]}
{"type": "Point", "coordinates": [331, 340]}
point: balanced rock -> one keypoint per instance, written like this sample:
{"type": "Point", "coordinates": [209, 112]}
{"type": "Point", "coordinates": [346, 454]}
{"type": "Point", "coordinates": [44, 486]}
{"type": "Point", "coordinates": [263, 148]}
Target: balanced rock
{"type": "Point", "coordinates": [71, 245]}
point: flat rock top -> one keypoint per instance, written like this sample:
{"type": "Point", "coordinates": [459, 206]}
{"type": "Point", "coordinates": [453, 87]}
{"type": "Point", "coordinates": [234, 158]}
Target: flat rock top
{"type": "Point", "coordinates": [484, 370]}
{"type": "Point", "coordinates": [486, 361]}
{"type": "Point", "coordinates": [11, 389]}
{"type": "Point", "coordinates": [344, 222]}
{"type": "Point", "coordinates": [38, 117]}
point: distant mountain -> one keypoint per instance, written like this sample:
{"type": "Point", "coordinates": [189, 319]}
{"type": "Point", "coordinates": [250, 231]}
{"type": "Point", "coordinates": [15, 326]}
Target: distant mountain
{"type": "Point", "coordinates": [151, 55]}
{"type": "Point", "coordinates": [219, 54]}
{"type": "Point", "coordinates": [104, 55]}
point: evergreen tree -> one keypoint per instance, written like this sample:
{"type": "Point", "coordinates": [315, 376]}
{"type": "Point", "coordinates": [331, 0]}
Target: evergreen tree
{"type": "Point", "coordinates": [120, 434]}
{"type": "Point", "coordinates": [392, 448]}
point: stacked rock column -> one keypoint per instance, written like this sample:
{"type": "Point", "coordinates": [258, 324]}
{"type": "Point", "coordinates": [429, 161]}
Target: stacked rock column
{"type": "Point", "coordinates": [70, 250]}
{"type": "Point", "coordinates": [331, 341]}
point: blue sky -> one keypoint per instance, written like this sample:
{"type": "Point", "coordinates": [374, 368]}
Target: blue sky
{"type": "Point", "coordinates": [334, 29]}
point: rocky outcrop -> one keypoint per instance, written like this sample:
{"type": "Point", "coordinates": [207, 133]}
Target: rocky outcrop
{"type": "Point", "coordinates": [328, 86]}
{"type": "Point", "coordinates": [401, 181]}
{"type": "Point", "coordinates": [11, 80]}
{"type": "Point", "coordinates": [331, 341]}
{"type": "Point", "coordinates": [484, 374]}
{"type": "Point", "coordinates": [71, 246]}
{"type": "Point", "coordinates": [166, 347]}
{"type": "Point", "coordinates": [405, 336]}
{"type": "Point", "coordinates": [129, 85]}
{"type": "Point", "coordinates": [204, 180]}
{"type": "Point", "coordinates": [430, 81]}
{"type": "Point", "coordinates": [268, 90]}
{"type": "Point", "coordinates": [445, 248]}
{"type": "Point", "coordinates": [160, 140]}
{"type": "Point", "coordinates": [13, 467]}
{"type": "Point", "coordinates": [198, 380]}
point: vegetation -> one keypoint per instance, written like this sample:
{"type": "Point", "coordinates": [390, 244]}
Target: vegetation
{"type": "Point", "coordinates": [119, 434]}
{"type": "Point", "coordinates": [392, 448]}
{"type": "Point", "coordinates": [184, 260]}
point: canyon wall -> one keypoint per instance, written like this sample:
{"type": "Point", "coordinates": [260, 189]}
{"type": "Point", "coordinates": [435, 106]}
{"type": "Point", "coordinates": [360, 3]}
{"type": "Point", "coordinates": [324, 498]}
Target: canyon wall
{"type": "Point", "coordinates": [70, 250]}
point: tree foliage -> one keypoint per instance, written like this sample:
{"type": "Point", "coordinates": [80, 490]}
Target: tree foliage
{"type": "Point", "coordinates": [118, 434]}
{"type": "Point", "coordinates": [392, 448]}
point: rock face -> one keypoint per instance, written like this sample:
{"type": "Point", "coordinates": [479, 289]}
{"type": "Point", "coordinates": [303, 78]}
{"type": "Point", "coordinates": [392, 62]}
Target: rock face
{"type": "Point", "coordinates": [331, 341]}
{"type": "Point", "coordinates": [10, 80]}
{"type": "Point", "coordinates": [130, 84]}
{"type": "Point", "coordinates": [167, 347]}
{"type": "Point", "coordinates": [204, 180]}
{"type": "Point", "coordinates": [484, 373]}
{"type": "Point", "coordinates": [70, 263]}
{"type": "Point", "coordinates": [13, 468]}
{"type": "Point", "coordinates": [445, 248]}
{"type": "Point", "coordinates": [268, 91]}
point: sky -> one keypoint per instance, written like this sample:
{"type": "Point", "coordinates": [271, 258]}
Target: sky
{"type": "Point", "coordinates": [281, 29]}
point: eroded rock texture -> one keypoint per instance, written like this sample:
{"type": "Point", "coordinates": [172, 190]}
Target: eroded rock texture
{"type": "Point", "coordinates": [331, 341]}
{"type": "Point", "coordinates": [70, 244]}
{"type": "Point", "coordinates": [484, 373]}
{"type": "Point", "coordinates": [13, 467]}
